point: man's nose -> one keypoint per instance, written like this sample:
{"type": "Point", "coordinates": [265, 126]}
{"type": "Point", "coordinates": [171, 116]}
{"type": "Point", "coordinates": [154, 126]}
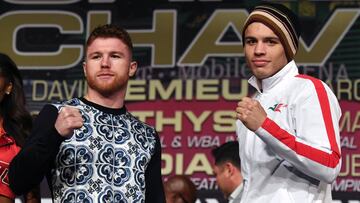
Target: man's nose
{"type": "Point", "coordinates": [260, 48]}
{"type": "Point", "coordinates": [105, 61]}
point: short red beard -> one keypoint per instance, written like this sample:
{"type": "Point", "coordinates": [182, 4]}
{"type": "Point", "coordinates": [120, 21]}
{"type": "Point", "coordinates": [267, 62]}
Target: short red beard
{"type": "Point", "coordinates": [107, 89]}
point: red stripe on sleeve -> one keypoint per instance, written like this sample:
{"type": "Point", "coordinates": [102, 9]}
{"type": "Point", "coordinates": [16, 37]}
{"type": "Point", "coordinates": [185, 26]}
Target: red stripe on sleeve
{"type": "Point", "coordinates": [325, 109]}
{"type": "Point", "coordinates": [329, 160]}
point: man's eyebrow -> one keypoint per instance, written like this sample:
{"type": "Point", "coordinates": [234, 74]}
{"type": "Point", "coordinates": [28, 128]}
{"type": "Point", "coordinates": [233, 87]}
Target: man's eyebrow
{"type": "Point", "coordinates": [250, 38]}
{"type": "Point", "coordinates": [111, 52]}
{"type": "Point", "coordinates": [93, 53]}
{"type": "Point", "coordinates": [275, 38]}
{"type": "Point", "coordinates": [272, 38]}
{"type": "Point", "coordinates": [117, 52]}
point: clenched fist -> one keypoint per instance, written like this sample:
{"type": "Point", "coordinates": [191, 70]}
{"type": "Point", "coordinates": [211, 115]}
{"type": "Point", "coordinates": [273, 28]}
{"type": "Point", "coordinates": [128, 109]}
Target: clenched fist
{"type": "Point", "coordinates": [69, 119]}
{"type": "Point", "coordinates": [250, 113]}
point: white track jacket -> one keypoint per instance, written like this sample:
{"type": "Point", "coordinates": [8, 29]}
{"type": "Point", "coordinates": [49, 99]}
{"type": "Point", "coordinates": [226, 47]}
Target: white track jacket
{"type": "Point", "coordinates": [295, 155]}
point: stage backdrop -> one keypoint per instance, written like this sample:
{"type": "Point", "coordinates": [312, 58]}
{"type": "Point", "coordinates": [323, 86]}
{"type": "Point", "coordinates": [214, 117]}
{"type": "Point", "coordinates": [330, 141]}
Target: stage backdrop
{"type": "Point", "coordinates": [192, 71]}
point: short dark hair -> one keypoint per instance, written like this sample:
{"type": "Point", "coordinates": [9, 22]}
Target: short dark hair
{"type": "Point", "coordinates": [110, 30]}
{"type": "Point", "coordinates": [227, 152]}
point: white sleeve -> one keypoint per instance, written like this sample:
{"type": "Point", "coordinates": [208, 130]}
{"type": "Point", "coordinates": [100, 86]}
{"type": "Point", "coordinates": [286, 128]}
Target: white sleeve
{"type": "Point", "coordinates": [314, 149]}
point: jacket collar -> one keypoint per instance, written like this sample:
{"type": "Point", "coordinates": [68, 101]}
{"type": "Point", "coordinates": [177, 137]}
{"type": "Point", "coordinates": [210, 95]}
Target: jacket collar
{"type": "Point", "coordinates": [289, 69]}
{"type": "Point", "coordinates": [236, 194]}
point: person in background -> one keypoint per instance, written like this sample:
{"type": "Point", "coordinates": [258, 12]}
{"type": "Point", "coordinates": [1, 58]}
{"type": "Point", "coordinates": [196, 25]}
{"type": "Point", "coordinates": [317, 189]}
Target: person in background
{"type": "Point", "coordinates": [15, 125]}
{"type": "Point", "coordinates": [180, 189]}
{"type": "Point", "coordinates": [227, 170]}
{"type": "Point", "coordinates": [91, 149]}
{"type": "Point", "coordinates": [289, 129]}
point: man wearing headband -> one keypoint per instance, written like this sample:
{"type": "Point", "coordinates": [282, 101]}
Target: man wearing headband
{"type": "Point", "coordinates": [288, 131]}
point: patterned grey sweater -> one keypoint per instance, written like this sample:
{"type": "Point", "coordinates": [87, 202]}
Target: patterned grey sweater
{"type": "Point", "coordinates": [113, 157]}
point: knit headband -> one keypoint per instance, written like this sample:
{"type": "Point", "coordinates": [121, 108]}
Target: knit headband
{"type": "Point", "coordinates": [282, 21]}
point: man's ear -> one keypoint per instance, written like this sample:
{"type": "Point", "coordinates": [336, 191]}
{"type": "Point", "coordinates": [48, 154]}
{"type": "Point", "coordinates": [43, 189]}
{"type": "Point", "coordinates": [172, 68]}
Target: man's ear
{"type": "Point", "coordinates": [132, 68]}
{"type": "Point", "coordinates": [229, 167]}
{"type": "Point", "coordinates": [84, 67]}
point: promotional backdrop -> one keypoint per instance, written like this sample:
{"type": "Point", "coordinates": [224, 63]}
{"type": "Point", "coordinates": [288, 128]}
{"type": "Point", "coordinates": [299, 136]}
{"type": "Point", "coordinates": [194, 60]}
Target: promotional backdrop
{"type": "Point", "coordinates": [191, 69]}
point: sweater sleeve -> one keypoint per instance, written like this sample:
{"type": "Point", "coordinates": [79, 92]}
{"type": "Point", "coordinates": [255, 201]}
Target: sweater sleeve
{"type": "Point", "coordinates": [35, 159]}
{"type": "Point", "coordinates": [153, 181]}
{"type": "Point", "coordinates": [314, 146]}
